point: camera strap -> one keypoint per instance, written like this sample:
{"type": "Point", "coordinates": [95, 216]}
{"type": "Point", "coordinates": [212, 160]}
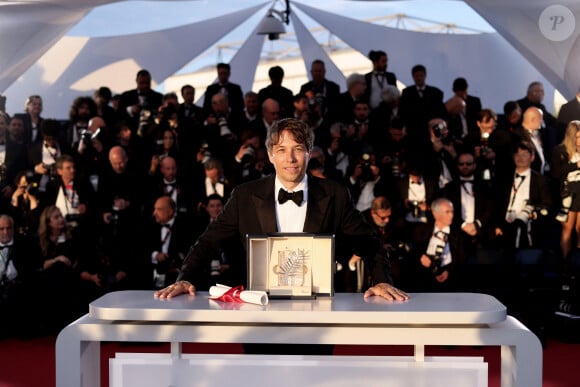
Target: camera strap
{"type": "Point", "coordinates": [515, 190]}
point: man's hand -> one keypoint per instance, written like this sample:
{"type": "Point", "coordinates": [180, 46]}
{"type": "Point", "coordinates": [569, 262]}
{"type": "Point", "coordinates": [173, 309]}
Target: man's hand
{"type": "Point", "coordinates": [425, 261]}
{"type": "Point", "coordinates": [180, 287]}
{"type": "Point", "coordinates": [442, 277]}
{"type": "Point", "coordinates": [387, 291]}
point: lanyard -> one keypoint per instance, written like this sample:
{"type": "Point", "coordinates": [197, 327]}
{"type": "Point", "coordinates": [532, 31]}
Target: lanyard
{"type": "Point", "coordinates": [515, 190]}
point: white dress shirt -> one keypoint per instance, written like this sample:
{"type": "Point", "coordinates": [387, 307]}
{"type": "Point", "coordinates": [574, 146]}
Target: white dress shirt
{"type": "Point", "coordinates": [289, 216]}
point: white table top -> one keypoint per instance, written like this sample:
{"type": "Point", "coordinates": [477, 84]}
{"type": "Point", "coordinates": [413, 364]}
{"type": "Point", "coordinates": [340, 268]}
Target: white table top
{"type": "Point", "coordinates": [343, 308]}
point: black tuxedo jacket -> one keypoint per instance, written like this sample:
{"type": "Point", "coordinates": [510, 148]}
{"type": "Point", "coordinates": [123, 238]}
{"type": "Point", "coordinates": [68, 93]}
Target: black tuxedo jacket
{"type": "Point", "coordinates": [235, 96]}
{"type": "Point", "coordinates": [179, 243]}
{"type": "Point", "coordinates": [568, 112]}
{"type": "Point", "coordinates": [131, 97]}
{"type": "Point", "coordinates": [416, 111]}
{"type": "Point", "coordinates": [251, 210]}
{"type": "Point", "coordinates": [330, 91]}
{"type": "Point", "coordinates": [15, 161]}
{"type": "Point", "coordinates": [27, 124]}
{"type": "Point", "coordinates": [483, 216]}
{"type": "Point", "coordinates": [539, 196]}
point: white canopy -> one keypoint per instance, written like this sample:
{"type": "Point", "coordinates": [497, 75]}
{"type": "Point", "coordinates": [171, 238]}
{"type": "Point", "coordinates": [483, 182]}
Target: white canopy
{"type": "Point", "coordinates": [38, 59]}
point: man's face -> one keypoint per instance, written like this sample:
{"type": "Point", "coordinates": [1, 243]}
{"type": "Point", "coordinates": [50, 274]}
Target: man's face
{"type": "Point", "coordinates": [301, 105]}
{"type": "Point", "coordinates": [35, 106]}
{"type": "Point", "coordinates": [118, 163]}
{"type": "Point", "coordinates": [381, 63]}
{"type": "Point", "coordinates": [162, 211]}
{"type": "Point", "coordinates": [143, 83]}
{"type": "Point", "coordinates": [252, 104]}
{"type": "Point", "coordinates": [6, 231]}
{"type": "Point", "coordinates": [67, 171]}
{"type": "Point", "coordinates": [361, 112]}
{"type": "Point", "coordinates": [223, 75]}
{"type": "Point", "coordinates": [219, 104]}
{"type": "Point", "coordinates": [271, 113]}
{"type": "Point", "coordinates": [523, 159]}
{"type": "Point", "coordinates": [466, 165]}
{"type": "Point", "coordinates": [290, 160]}
{"type": "Point", "coordinates": [444, 215]}
{"type": "Point", "coordinates": [536, 93]}
{"type": "Point", "coordinates": [487, 126]}
{"type": "Point", "coordinates": [214, 207]}
{"type": "Point", "coordinates": [16, 128]}
{"type": "Point", "coordinates": [188, 95]}
{"type": "Point", "coordinates": [381, 217]}
{"type": "Point", "coordinates": [213, 174]}
{"type": "Point", "coordinates": [84, 112]}
{"type": "Point", "coordinates": [358, 88]}
{"type": "Point", "coordinates": [318, 72]}
{"type": "Point", "coordinates": [3, 126]}
{"type": "Point", "coordinates": [419, 78]}
{"type": "Point", "coordinates": [168, 169]}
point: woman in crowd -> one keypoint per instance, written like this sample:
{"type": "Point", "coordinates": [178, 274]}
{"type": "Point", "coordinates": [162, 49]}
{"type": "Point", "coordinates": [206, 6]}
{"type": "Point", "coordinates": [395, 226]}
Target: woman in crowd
{"type": "Point", "coordinates": [25, 205]}
{"type": "Point", "coordinates": [60, 279]}
{"type": "Point", "coordinates": [566, 169]}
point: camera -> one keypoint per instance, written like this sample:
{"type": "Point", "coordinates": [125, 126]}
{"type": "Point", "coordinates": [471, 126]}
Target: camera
{"type": "Point", "coordinates": [144, 120]}
{"type": "Point", "coordinates": [32, 188]}
{"type": "Point", "coordinates": [483, 143]}
{"type": "Point", "coordinates": [367, 174]}
{"type": "Point", "coordinates": [223, 125]}
{"type": "Point", "coordinates": [87, 136]}
{"type": "Point", "coordinates": [415, 208]}
{"type": "Point", "coordinates": [437, 260]}
{"type": "Point", "coordinates": [204, 150]}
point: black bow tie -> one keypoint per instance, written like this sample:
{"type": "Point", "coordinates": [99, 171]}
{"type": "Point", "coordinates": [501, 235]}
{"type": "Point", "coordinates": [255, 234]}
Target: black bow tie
{"type": "Point", "coordinates": [296, 197]}
{"type": "Point", "coordinates": [4, 246]}
{"type": "Point", "coordinates": [520, 176]}
{"type": "Point", "coordinates": [416, 182]}
{"type": "Point", "coordinates": [170, 184]}
{"type": "Point", "coordinates": [167, 225]}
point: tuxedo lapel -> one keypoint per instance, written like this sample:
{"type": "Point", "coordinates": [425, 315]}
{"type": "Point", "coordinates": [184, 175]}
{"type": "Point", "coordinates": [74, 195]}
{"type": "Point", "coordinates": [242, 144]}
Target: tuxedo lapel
{"type": "Point", "coordinates": [318, 203]}
{"type": "Point", "coordinates": [264, 202]}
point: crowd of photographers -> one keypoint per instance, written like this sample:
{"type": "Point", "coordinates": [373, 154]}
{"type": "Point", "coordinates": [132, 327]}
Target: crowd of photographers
{"type": "Point", "coordinates": [113, 198]}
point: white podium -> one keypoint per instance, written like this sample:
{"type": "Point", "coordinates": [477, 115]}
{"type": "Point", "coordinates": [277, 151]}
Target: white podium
{"type": "Point", "coordinates": [426, 319]}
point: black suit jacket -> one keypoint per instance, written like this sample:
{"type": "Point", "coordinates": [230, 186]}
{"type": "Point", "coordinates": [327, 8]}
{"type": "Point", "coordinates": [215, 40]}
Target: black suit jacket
{"type": "Point", "coordinates": [235, 96]}
{"type": "Point", "coordinates": [483, 217]}
{"type": "Point", "coordinates": [251, 210]}
{"type": "Point", "coordinates": [179, 243]}
{"type": "Point", "coordinates": [328, 89]}
{"type": "Point", "coordinates": [539, 196]}
{"type": "Point", "coordinates": [416, 111]}
{"type": "Point", "coordinates": [27, 124]}
{"type": "Point", "coordinates": [131, 97]}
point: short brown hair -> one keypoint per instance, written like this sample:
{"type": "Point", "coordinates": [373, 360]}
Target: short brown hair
{"type": "Point", "coordinates": [301, 132]}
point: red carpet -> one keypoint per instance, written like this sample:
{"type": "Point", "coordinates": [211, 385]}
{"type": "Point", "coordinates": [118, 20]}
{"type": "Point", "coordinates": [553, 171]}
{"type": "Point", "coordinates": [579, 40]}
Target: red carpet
{"type": "Point", "coordinates": [30, 363]}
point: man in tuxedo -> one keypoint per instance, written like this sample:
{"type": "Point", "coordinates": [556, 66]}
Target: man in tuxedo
{"type": "Point", "coordinates": [168, 242]}
{"type": "Point", "coordinates": [172, 184]}
{"type": "Point", "coordinates": [438, 249]}
{"type": "Point", "coordinates": [570, 111]}
{"type": "Point", "coordinates": [343, 111]}
{"type": "Point", "coordinates": [473, 205]}
{"type": "Point", "coordinates": [467, 118]}
{"type": "Point", "coordinates": [139, 106]}
{"type": "Point", "coordinates": [276, 91]}
{"type": "Point", "coordinates": [532, 132]}
{"type": "Point", "coordinates": [303, 204]}
{"type": "Point", "coordinates": [19, 263]}
{"type": "Point", "coordinates": [523, 204]}
{"type": "Point", "coordinates": [225, 87]}
{"type": "Point", "coordinates": [420, 103]}
{"type": "Point", "coordinates": [323, 90]}
{"type": "Point", "coordinates": [379, 78]}
{"type": "Point", "coordinates": [12, 161]}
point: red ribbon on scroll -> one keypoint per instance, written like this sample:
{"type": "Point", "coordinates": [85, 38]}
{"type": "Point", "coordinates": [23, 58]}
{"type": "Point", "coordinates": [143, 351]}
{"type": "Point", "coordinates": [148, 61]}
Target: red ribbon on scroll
{"type": "Point", "coordinates": [232, 295]}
